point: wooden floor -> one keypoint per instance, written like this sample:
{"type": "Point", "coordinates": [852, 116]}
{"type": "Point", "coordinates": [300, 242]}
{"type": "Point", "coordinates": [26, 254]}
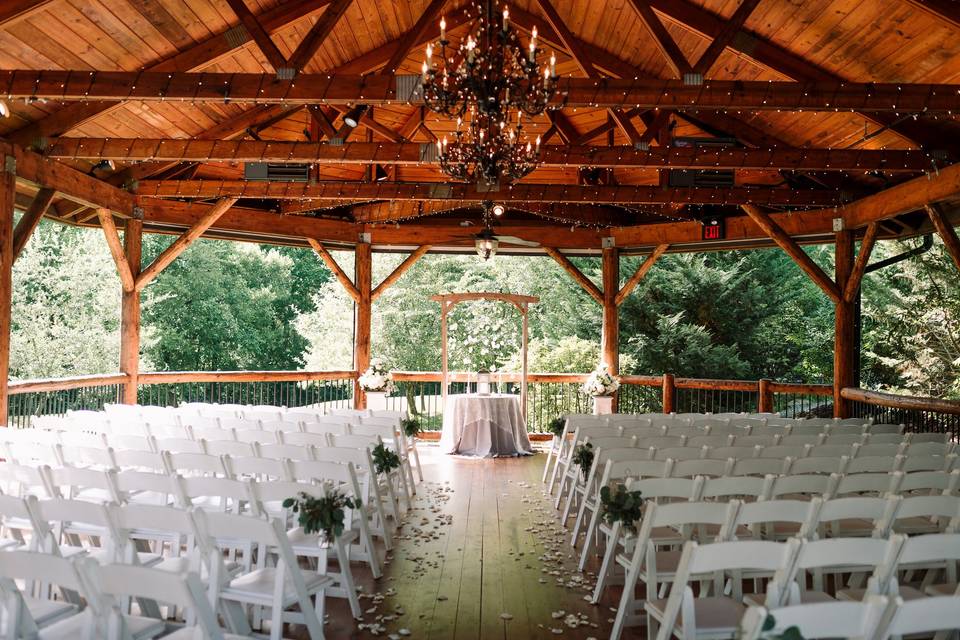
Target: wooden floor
{"type": "Point", "coordinates": [481, 555]}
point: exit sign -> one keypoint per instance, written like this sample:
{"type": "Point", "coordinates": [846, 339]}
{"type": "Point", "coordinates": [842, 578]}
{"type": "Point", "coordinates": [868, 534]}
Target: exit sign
{"type": "Point", "coordinates": [713, 229]}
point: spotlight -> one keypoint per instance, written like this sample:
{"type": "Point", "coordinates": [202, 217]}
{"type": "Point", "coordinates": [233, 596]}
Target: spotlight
{"type": "Point", "coordinates": [104, 165]}
{"type": "Point", "coordinates": [380, 174]}
{"type": "Point", "coordinates": [4, 110]}
{"type": "Point", "coordinates": [498, 210]}
{"type": "Point", "coordinates": [352, 118]}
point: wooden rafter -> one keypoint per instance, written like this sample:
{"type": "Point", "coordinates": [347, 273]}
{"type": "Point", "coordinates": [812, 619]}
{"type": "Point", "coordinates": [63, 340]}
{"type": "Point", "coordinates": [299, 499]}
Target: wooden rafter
{"type": "Point", "coordinates": [945, 10]}
{"type": "Point", "coordinates": [181, 243]}
{"type": "Point", "coordinates": [946, 231]}
{"type": "Point", "coordinates": [795, 251]}
{"type": "Point", "coordinates": [178, 150]}
{"type": "Point", "coordinates": [640, 273]}
{"type": "Point", "coordinates": [31, 218]}
{"type": "Point", "coordinates": [520, 192]}
{"type": "Point", "coordinates": [860, 266]}
{"type": "Point", "coordinates": [324, 122]}
{"type": "Point", "coordinates": [412, 37]}
{"type": "Point", "coordinates": [116, 249]}
{"type": "Point", "coordinates": [253, 26]}
{"type": "Point", "coordinates": [723, 39]}
{"type": "Point", "coordinates": [674, 57]}
{"type": "Point", "coordinates": [402, 268]}
{"type": "Point", "coordinates": [396, 210]}
{"type": "Point", "coordinates": [71, 183]}
{"type": "Point", "coordinates": [335, 268]}
{"type": "Point", "coordinates": [565, 129]}
{"type": "Point", "coordinates": [569, 41]}
{"type": "Point", "coordinates": [317, 35]}
{"type": "Point", "coordinates": [586, 283]}
{"type": "Point", "coordinates": [346, 89]}
{"type": "Point", "coordinates": [198, 56]}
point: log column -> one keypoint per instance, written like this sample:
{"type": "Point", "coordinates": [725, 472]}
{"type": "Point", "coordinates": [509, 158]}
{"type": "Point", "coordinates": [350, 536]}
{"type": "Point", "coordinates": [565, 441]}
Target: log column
{"type": "Point", "coordinates": [610, 336]}
{"type": "Point", "coordinates": [130, 312]}
{"type": "Point", "coordinates": [363, 265]}
{"type": "Point", "coordinates": [8, 181]}
{"type": "Point", "coordinates": [843, 328]}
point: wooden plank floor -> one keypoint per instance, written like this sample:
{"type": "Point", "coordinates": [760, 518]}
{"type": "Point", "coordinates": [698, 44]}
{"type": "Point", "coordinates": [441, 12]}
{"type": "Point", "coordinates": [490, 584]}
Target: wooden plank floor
{"type": "Point", "coordinates": [473, 561]}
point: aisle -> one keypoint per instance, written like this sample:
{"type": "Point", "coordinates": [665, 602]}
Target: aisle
{"type": "Point", "coordinates": [481, 556]}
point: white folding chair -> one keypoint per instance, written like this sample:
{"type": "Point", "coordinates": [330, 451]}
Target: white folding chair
{"type": "Point", "coordinates": [851, 620]}
{"type": "Point", "coordinates": [938, 614]}
{"type": "Point", "coordinates": [707, 468]}
{"type": "Point", "coordinates": [191, 464]}
{"type": "Point", "coordinates": [757, 467]}
{"type": "Point", "coordinates": [826, 466]}
{"type": "Point", "coordinates": [804, 485]}
{"type": "Point", "coordinates": [229, 448]}
{"type": "Point", "coordinates": [859, 516]}
{"type": "Point", "coordinates": [873, 464]}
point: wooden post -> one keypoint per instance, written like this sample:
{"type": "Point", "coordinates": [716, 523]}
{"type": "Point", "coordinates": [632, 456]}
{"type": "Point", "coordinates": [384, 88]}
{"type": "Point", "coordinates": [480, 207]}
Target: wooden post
{"type": "Point", "coordinates": [610, 338]}
{"type": "Point", "coordinates": [361, 331]}
{"type": "Point", "coordinates": [8, 180]}
{"type": "Point", "coordinates": [444, 307]}
{"type": "Point", "coordinates": [764, 396]}
{"type": "Point", "coordinates": [843, 326]}
{"type": "Point", "coordinates": [130, 312]}
{"type": "Point", "coordinates": [669, 391]}
{"type": "Point", "coordinates": [523, 368]}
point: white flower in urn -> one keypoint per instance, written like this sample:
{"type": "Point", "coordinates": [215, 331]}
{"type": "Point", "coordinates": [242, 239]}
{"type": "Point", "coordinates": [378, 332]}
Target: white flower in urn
{"type": "Point", "coordinates": [600, 383]}
{"type": "Point", "coordinates": [376, 378]}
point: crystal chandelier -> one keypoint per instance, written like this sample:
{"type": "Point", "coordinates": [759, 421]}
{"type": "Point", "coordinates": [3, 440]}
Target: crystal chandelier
{"type": "Point", "coordinates": [491, 80]}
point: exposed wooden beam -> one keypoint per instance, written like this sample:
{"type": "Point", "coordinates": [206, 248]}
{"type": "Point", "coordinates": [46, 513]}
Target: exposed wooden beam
{"type": "Point", "coordinates": [317, 35]}
{"type": "Point", "coordinates": [568, 133]}
{"type": "Point", "coordinates": [569, 41]}
{"type": "Point", "coordinates": [946, 231]}
{"type": "Point", "coordinates": [426, 20]}
{"type": "Point", "coordinates": [178, 150]}
{"type": "Point", "coordinates": [723, 39]}
{"type": "Point", "coordinates": [520, 192]}
{"type": "Point", "coordinates": [8, 196]}
{"type": "Point", "coordinates": [399, 271]}
{"type": "Point", "coordinates": [640, 273]}
{"type": "Point", "coordinates": [335, 268]}
{"type": "Point", "coordinates": [577, 275]}
{"type": "Point", "coordinates": [792, 249]}
{"type": "Point", "coordinates": [198, 56]}
{"type": "Point", "coordinates": [396, 210]}
{"type": "Point", "coordinates": [71, 183]}
{"type": "Point", "coordinates": [31, 218]}
{"type": "Point", "coordinates": [623, 122]}
{"type": "Point", "coordinates": [346, 89]}
{"type": "Point", "coordinates": [130, 311]}
{"type": "Point", "coordinates": [903, 198]}
{"type": "Point", "coordinates": [324, 122]}
{"type": "Point", "coordinates": [860, 266]}
{"type": "Point", "coordinates": [185, 240]}
{"type": "Point", "coordinates": [253, 26]}
{"type": "Point", "coordinates": [116, 249]}
{"type": "Point", "coordinates": [674, 57]}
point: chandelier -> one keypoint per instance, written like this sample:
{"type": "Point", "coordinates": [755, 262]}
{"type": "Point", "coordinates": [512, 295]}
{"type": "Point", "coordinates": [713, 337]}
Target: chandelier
{"type": "Point", "coordinates": [492, 80]}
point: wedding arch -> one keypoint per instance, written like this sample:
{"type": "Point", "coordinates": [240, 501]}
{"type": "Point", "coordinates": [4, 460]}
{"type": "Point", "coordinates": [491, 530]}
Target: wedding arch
{"type": "Point", "coordinates": [449, 300]}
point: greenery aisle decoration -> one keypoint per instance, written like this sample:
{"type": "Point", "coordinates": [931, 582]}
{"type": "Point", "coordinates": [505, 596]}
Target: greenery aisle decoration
{"type": "Point", "coordinates": [411, 427]}
{"type": "Point", "coordinates": [790, 633]}
{"type": "Point", "coordinates": [384, 459]}
{"type": "Point", "coordinates": [322, 515]}
{"type": "Point", "coordinates": [583, 458]}
{"type": "Point", "coordinates": [556, 426]}
{"type": "Point", "coordinates": [620, 505]}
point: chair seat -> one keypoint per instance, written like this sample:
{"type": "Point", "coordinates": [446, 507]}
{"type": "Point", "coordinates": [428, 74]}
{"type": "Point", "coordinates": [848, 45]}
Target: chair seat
{"type": "Point", "coordinates": [144, 558]}
{"type": "Point", "coordinates": [715, 617]}
{"type": "Point", "coordinates": [310, 544]}
{"type": "Point", "coordinates": [806, 597]}
{"type": "Point", "coordinates": [45, 612]}
{"type": "Point", "coordinates": [186, 633]}
{"type": "Point", "coordinates": [946, 589]}
{"type": "Point", "coordinates": [916, 525]}
{"type": "Point", "coordinates": [257, 586]}
{"type": "Point", "coordinates": [856, 595]}
{"type": "Point", "coordinates": [73, 627]}
{"type": "Point", "coordinates": [183, 564]}
{"type": "Point", "coordinates": [849, 527]}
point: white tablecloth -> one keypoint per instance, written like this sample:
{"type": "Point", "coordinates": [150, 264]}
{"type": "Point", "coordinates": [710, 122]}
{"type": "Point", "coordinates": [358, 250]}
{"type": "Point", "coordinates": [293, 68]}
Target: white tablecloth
{"type": "Point", "coordinates": [484, 426]}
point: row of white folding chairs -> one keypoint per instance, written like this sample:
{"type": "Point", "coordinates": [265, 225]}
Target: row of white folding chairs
{"type": "Point", "coordinates": [244, 578]}
{"type": "Point", "coordinates": [216, 493]}
{"type": "Point", "coordinates": [720, 608]}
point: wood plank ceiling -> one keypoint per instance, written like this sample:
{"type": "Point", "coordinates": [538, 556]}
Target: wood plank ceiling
{"type": "Point", "coordinates": [892, 41]}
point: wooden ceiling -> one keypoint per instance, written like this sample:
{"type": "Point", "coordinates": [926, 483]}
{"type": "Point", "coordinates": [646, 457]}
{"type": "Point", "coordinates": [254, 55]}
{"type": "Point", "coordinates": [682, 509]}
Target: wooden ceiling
{"type": "Point", "coordinates": [828, 101]}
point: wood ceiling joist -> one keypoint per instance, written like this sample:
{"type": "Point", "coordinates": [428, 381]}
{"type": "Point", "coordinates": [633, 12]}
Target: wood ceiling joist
{"type": "Point", "coordinates": [723, 39]}
{"type": "Point", "coordinates": [427, 19]}
{"type": "Point", "coordinates": [259, 34]}
{"type": "Point", "coordinates": [318, 34]}
{"type": "Point", "coordinates": [396, 210]}
{"type": "Point", "coordinates": [70, 183]}
{"type": "Point", "coordinates": [198, 56]}
{"type": "Point", "coordinates": [573, 92]}
{"type": "Point", "coordinates": [772, 56]}
{"type": "Point", "coordinates": [522, 192]}
{"type": "Point", "coordinates": [173, 150]}
{"type": "Point", "coordinates": [672, 54]}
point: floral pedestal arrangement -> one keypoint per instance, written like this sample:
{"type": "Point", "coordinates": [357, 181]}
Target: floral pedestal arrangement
{"type": "Point", "coordinates": [602, 405]}
{"type": "Point", "coordinates": [376, 383]}
{"type": "Point", "coordinates": [601, 386]}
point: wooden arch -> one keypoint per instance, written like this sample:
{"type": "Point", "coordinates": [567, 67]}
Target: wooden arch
{"type": "Point", "coordinates": [449, 300]}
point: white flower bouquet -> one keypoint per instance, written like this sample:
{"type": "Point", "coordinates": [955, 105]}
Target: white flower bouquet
{"type": "Point", "coordinates": [376, 378]}
{"type": "Point", "coordinates": [600, 383]}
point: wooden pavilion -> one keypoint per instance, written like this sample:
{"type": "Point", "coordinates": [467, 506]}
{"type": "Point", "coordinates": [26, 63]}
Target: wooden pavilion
{"type": "Point", "coordinates": [771, 123]}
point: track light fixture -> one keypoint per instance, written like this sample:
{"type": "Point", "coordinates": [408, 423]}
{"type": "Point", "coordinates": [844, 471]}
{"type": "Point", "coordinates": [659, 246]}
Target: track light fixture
{"type": "Point", "coordinates": [352, 118]}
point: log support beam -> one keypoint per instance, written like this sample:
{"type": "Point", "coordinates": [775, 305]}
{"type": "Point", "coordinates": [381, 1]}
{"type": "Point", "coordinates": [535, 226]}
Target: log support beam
{"type": "Point", "coordinates": [399, 271]}
{"type": "Point", "coordinates": [946, 231]}
{"type": "Point", "coordinates": [130, 312]}
{"type": "Point", "coordinates": [31, 218]}
{"type": "Point", "coordinates": [640, 273]}
{"type": "Point", "coordinates": [844, 358]}
{"type": "Point", "coordinates": [8, 181]}
{"type": "Point", "coordinates": [120, 258]}
{"type": "Point", "coordinates": [860, 266]}
{"type": "Point", "coordinates": [363, 267]}
{"type": "Point", "coordinates": [180, 244]}
{"type": "Point", "coordinates": [577, 275]}
{"type": "Point", "coordinates": [336, 269]}
{"type": "Point", "coordinates": [610, 333]}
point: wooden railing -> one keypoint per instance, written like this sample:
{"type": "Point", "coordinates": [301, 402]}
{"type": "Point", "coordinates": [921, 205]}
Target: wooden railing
{"type": "Point", "coordinates": [916, 412]}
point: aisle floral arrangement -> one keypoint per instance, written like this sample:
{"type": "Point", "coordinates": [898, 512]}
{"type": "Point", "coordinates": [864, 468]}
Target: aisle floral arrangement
{"type": "Point", "coordinates": [600, 383]}
{"type": "Point", "coordinates": [377, 378]}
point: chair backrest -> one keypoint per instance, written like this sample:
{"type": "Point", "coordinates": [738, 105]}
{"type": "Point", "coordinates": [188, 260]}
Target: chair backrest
{"type": "Point", "coordinates": [769, 512]}
{"type": "Point", "coordinates": [132, 485]}
{"type": "Point", "coordinates": [833, 619]}
{"type": "Point", "coordinates": [666, 489]}
{"type": "Point", "coordinates": [194, 464]}
{"type": "Point", "coordinates": [24, 480]}
{"type": "Point", "coordinates": [707, 467]}
{"type": "Point", "coordinates": [819, 556]}
{"type": "Point", "coordinates": [167, 430]}
{"type": "Point", "coordinates": [69, 482]}
{"type": "Point", "coordinates": [621, 465]}
{"type": "Point", "coordinates": [63, 513]}
{"type": "Point", "coordinates": [82, 439]}
{"type": "Point", "coordinates": [336, 427]}
{"type": "Point", "coordinates": [121, 442]}
{"type": "Point", "coordinates": [132, 519]}
{"type": "Point", "coordinates": [806, 485]}
{"type": "Point", "coordinates": [255, 467]}
{"type": "Point", "coordinates": [927, 449]}
{"type": "Point", "coordinates": [661, 442]}
{"type": "Point", "coordinates": [844, 438]}
{"type": "Point", "coordinates": [678, 453]}
{"type": "Point", "coordinates": [756, 466]}
{"type": "Point", "coordinates": [917, 438]}
{"type": "Point", "coordinates": [139, 459]}
{"type": "Point", "coordinates": [877, 511]}
{"type": "Point", "coordinates": [283, 451]}
{"type": "Point", "coordinates": [32, 567]}
{"type": "Point", "coordinates": [220, 494]}
{"type": "Point", "coordinates": [885, 438]}
{"type": "Point", "coordinates": [200, 422]}
{"type": "Point", "coordinates": [872, 464]}
{"type": "Point", "coordinates": [783, 451]}
{"type": "Point", "coordinates": [737, 452]}
{"type": "Point", "coordinates": [739, 488]}
{"type": "Point", "coordinates": [929, 481]}
{"type": "Point", "coordinates": [884, 428]}
{"type": "Point", "coordinates": [832, 451]}
{"type": "Point", "coordinates": [798, 466]}
{"type": "Point", "coordinates": [229, 448]}
{"type": "Point", "coordinates": [928, 463]}
{"type": "Point", "coordinates": [945, 509]}
{"type": "Point", "coordinates": [100, 457]}
{"type": "Point", "coordinates": [874, 484]}
{"type": "Point", "coordinates": [278, 425]}
{"type": "Point", "coordinates": [756, 440]}
{"type": "Point", "coordinates": [923, 616]}
{"type": "Point", "coordinates": [179, 445]}
{"type": "Point", "coordinates": [711, 441]}
{"type": "Point", "coordinates": [232, 422]}
{"type": "Point", "coordinates": [801, 439]}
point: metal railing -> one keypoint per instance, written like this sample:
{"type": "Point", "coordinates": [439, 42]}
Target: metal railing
{"type": "Point", "coordinates": [922, 415]}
